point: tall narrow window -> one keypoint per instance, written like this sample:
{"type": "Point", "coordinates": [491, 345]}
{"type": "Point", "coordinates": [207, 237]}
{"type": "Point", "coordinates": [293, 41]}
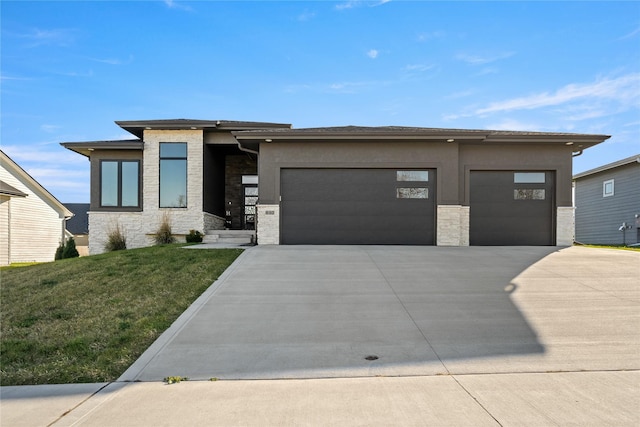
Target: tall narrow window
{"type": "Point", "coordinates": [120, 183]}
{"type": "Point", "coordinates": [173, 175]}
{"type": "Point", "coordinates": [607, 188]}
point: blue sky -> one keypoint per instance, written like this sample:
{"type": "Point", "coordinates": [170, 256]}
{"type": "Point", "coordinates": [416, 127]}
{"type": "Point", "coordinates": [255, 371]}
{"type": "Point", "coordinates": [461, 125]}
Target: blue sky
{"type": "Point", "coordinates": [70, 69]}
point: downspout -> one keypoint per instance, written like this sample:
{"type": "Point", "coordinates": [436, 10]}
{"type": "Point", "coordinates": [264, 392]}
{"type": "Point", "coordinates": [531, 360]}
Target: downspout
{"type": "Point", "coordinates": [247, 150]}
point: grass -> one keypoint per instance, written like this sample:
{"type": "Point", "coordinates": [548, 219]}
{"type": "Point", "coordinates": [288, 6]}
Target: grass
{"type": "Point", "coordinates": [88, 319]}
{"type": "Point", "coordinates": [621, 247]}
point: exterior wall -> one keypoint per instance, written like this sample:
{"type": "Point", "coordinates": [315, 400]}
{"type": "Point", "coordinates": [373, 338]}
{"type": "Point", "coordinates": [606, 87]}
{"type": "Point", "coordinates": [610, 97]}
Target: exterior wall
{"type": "Point", "coordinates": [453, 163]}
{"type": "Point", "coordinates": [5, 230]}
{"type": "Point", "coordinates": [268, 225]}
{"type": "Point", "coordinates": [452, 226]}
{"type": "Point", "coordinates": [213, 222]}
{"type": "Point", "coordinates": [598, 218]}
{"type": "Point", "coordinates": [139, 227]}
{"type": "Point", "coordinates": [35, 226]}
{"type": "Point", "coordinates": [565, 226]}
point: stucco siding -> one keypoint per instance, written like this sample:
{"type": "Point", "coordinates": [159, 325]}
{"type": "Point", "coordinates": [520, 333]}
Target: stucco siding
{"type": "Point", "coordinates": [599, 218]}
{"type": "Point", "coordinates": [36, 227]}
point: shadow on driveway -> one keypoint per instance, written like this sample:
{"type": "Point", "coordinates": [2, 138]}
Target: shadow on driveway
{"type": "Point", "coordinates": [349, 311]}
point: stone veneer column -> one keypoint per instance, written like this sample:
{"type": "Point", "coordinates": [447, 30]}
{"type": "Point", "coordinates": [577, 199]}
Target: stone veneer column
{"type": "Point", "coordinates": [268, 224]}
{"type": "Point", "coordinates": [565, 226]}
{"type": "Point", "coordinates": [452, 225]}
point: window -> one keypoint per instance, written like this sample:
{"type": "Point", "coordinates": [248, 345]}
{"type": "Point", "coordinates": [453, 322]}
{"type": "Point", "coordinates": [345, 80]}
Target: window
{"type": "Point", "coordinates": [607, 188]}
{"type": "Point", "coordinates": [120, 183]}
{"type": "Point", "coordinates": [529, 177]}
{"type": "Point", "coordinates": [173, 174]}
{"type": "Point", "coordinates": [412, 193]}
{"type": "Point", "coordinates": [529, 194]}
{"type": "Point", "coordinates": [422, 176]}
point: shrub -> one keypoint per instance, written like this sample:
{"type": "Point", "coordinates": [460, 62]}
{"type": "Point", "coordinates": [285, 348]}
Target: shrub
{"type": "Point", "coordinates": [67, 250]}
{"type": "Point", "coordinates": [163, 234]}
{"type": "Point", "coordinates": [70, 250]}
{"type": "Point", "coordinates": [116, 240]}
{"type": "Point", "coordinates": [194, 236]}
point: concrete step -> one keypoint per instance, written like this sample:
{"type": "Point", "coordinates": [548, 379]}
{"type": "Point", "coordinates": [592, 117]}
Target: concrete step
{"type": "Point", "coordinates": [230, 236]}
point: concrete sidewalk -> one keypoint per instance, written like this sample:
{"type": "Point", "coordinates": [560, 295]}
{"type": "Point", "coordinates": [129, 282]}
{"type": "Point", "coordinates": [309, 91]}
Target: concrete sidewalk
{"type": "Point", "coordinates": [552, 399]}
{"type": "Point", "coordinates": [463, 336]}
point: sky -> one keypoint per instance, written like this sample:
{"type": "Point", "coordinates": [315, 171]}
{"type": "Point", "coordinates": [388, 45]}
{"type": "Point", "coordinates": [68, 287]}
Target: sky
{"type": "Point", "coordinates": [70, 69]}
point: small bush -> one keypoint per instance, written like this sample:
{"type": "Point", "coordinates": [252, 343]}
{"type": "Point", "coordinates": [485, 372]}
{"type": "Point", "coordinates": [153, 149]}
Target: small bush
{"type": "Point", "coordinates": [164, 234]}
{"type": "Point", "coordinates": [116, 240]}
{"type": "Point", "coordinates": [67, 250]}
{"type": "Point", "coordinates": [194, 236]}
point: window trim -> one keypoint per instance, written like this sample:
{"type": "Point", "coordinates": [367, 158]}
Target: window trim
{"type": "Point", "coordinates": [604, 188]}
{"type": "Point", "coordinates": [119, 205]}
{"type": "Point", "coordinates": [186, 175]}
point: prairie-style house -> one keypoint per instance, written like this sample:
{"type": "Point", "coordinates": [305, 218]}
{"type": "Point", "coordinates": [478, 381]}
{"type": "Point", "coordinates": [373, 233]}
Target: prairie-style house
{"type": "Point", "coordinates": [388, 185]}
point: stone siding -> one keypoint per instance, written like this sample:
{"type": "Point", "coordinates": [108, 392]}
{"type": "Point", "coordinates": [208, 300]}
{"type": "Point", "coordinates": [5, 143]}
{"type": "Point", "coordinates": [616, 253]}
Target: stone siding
{"type": "Point", "coordinates": [268, 224]}
{"type": "Point", "coordinates": [139, 227]}
{"type": "Point", "coordinates": [452, 225]}
{"type": "Point", "coordinates": [565, 226]}
{"type": "Point", "coordinates": [213, 222]}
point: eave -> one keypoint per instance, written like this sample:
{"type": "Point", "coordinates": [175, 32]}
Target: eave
{"type": "Point", "coordinates": [87, 147]}
{"type": "Point", "coordinates": [137, 127]}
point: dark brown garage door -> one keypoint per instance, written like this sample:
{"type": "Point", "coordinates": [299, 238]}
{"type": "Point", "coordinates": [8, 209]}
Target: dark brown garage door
{"type": "Point", "coordinates": [357, 206]}
{"type": "Point", "coordinates": [512, 208]}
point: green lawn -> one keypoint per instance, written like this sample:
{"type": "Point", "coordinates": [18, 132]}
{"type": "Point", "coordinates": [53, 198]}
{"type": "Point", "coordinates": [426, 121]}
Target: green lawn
{"type": "Point", "coordinates": [88, 319]}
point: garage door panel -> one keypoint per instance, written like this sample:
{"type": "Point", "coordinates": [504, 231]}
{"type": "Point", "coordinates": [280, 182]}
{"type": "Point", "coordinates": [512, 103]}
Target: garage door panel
{"type": "Point", "coordinates": [506, 212]}
{"type": "Point", "coordinates": [354, 206]}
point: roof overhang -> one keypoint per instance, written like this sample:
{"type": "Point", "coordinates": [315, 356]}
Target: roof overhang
{"type": "Point", "coordinates": [137, 127]}
{"type": "Point", "coordinates": [619, 163]}
{"type": "Point", "coordinates": [253, 139]}
{"type": "Point", "coordinates": [8, 190]}
{"type": "Point", "coordinates": [86, 148]}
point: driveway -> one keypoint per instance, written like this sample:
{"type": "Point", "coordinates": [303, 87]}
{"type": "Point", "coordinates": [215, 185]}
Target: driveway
{"type": "Point", "coordinates": [364, 311]}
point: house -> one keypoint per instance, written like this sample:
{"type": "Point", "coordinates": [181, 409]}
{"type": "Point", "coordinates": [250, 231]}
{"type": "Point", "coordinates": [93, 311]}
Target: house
{"type": "Point", "coordinates": [334, 185]}
{"type": "Point", "coordinates": [32, 220]}
{"type": "Point", "coordinates": [607, 201]}
{"type": "Point", "coordinates": [78, 226]}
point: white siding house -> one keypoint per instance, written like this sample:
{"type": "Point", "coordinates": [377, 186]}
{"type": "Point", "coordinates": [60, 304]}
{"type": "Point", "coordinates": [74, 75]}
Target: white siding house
{"type": "Point", "coordinates": [32, 220]}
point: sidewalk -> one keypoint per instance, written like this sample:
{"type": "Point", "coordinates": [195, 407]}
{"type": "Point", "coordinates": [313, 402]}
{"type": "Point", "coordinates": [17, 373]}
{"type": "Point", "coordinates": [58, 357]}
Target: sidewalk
{"type": "Point", "coordinates": [546, 399]}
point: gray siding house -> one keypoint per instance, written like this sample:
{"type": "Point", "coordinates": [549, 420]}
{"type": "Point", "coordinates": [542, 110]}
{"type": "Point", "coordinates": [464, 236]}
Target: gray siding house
{"type": "Point", "coordinates": [607, 201]}
{"type": "Point", "coordinates": [334, 185]}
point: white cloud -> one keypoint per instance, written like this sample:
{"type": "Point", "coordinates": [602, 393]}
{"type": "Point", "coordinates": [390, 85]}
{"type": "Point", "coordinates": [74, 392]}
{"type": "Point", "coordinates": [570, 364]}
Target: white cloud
{"type": "Point", "coordinates": [373, 54]}
{"type": "Point", "coordinates": [171, 4]}
{"type": "Point", "coordinates": [113, 61]}
{"type": "Point", "coordinates": [36, 37]}
{"type": "Point", "coordinates": [357, 3]}
{"type": "Point", "coordinates": [49, 128]}
{"type": "Point", "coordinates": [423, 37]}
{"type": "Point", "coordinates": [631, 34]}
{"type": "Point", "coordinates": [622, 90]}
{"type": "Point", "coordinates": [306, 16]}
{"type": "Point", "coordinates": [419, 67]}
{"type": "Point", "coordinates": [482, 59]}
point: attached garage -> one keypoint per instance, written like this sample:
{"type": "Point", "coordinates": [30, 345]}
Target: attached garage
{"type": "Point", "coordinates": [414, 186]}
{"type": "Point", "coordinates": [357, 206]}
{"type": "Point", "coordinates": [512, 208]}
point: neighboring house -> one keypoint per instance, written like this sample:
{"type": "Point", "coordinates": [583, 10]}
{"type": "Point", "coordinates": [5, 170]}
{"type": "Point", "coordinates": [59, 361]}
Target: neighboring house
{"type": "Point", "coordinates": [336, 185]}
{"type": "Point", "coordinates": [32, 220]}
{"type": "Point", "coordinates": [78, 226]}
{"type": "Point", "coordinates": [607, 201]}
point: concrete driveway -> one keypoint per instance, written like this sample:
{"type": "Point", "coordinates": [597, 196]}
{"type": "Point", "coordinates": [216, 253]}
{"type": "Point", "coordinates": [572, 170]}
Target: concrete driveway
{"type": "Point", "coordinates": [364, 311]}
